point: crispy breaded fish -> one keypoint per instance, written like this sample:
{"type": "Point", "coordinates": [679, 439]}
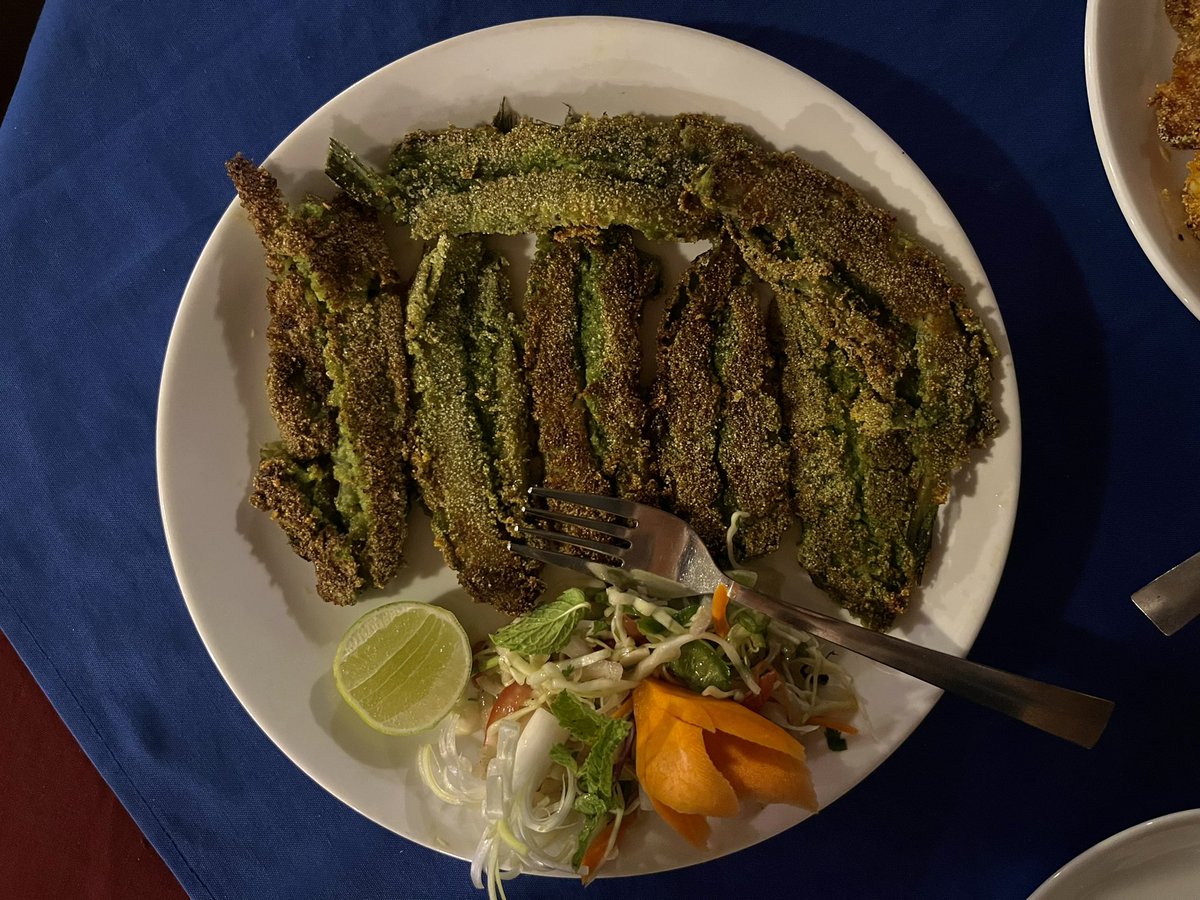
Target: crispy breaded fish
{"type": "Point", "coordinates": [302, 497]}
{"type": "Point", "coordinates": [337, 379]}
{"type": "Point", "coordinates": [715, 411]}
{"type": "Point", "coordinates": [887, 383]}
{"type": "Point", "coordinates": [471, 422]}
{"type": "Point", "coordinates": [1178, 100]}
{"type": "Point", "coordinates": [616, 281]}
{"type": "Point", "coordinates": [297, 385]}
{"type": "Point", "coordinates": [583, 310]}
{"type": "Point", "coordinates": [534, 176]}
{"type": "Point", "coordinates": [552, 359]}
{"type": "Point", "coordinates": [751, 452]}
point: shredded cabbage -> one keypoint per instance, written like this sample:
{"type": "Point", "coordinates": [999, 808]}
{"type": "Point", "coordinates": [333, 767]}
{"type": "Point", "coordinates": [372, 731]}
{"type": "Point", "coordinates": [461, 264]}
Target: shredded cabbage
{"type": "Point", "coordinates": [526, 780]}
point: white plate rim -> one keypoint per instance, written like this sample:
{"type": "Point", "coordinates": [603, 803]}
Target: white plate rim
{"type": "Point", "coordinates": [1097, 854]}
{"type": "Point", "coordinates": [1143, 231]}
{"type": "Point", "coordinates": [176, 549]}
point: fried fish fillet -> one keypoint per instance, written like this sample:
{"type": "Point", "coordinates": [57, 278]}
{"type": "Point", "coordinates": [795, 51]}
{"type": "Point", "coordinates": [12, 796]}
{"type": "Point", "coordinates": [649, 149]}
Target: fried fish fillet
{"type": "Point", "coordinates": [301, 497]}
{"type": "Point", "coordinates": [534, 176]}
{"type": "Point", "coordinates": [471, 421]}
{"type": "Point", "coordinates": [1178, 101]}
{"type": "Point", "coordinates": [552, 359]}
{"type": "Point", "coordinates": [337, 377]}
{"type": "Point", "coordinates": [583, 307]}
{"type": "Point", "coordinates": [887, 381]}
{"type": "Point", "coordinates": [298, 386]}
{"type": "Point", "coordinates": [715, 411]}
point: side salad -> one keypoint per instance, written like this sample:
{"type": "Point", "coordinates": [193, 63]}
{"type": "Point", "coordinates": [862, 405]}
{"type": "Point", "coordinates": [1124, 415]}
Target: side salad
{"type": "Point", "coordinates": [606, 704]}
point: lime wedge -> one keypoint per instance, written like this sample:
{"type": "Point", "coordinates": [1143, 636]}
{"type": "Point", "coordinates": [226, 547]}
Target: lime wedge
{"type": "Point", "coordinates": [403, 666]}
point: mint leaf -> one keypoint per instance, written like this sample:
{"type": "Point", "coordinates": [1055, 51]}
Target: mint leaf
{"type": "Point", "coordinates": [602, 734]}
{"type": "Point", "coordinates": [546, 628]}
{"type": "Point", "coordinates": [590, 805]}
{"type": "Point", "coordinates": [699, 666]}
{"type": "Point", "coordinates": [596, 773]}
{"type": "Point", "coordinates": [574, 715]}
{"type": "Point", "coordinates": [605, 737]}
{"type": "Point", "coordinates": [565, 758]}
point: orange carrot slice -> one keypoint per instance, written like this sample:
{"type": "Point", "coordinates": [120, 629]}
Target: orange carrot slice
{"type": "Point", "coordinates": [843, 727]}
{"type": "Point", "coordinates": [594, 856]}
{"type": "Point", "coordinates": [680, 773]}
{"type": "Point", "coordinates": [694, 829]}
{"type": "Point", "coordinates": [720, 607]}
{"type": "Point", "coordinates": [761, 773]}
{"type": "Point", "coordinates": [623, 710]}
{"type": "Point", "coordinates": [713, 714]}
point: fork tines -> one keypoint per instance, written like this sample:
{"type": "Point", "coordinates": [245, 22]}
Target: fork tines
{"type": "Point", "coordinates": [626, 509]}
{"type": "Point", "coordinates": [610, 550]}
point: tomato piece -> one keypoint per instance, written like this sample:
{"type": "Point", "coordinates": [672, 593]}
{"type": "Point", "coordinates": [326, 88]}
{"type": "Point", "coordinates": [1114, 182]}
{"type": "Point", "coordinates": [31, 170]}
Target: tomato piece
{"type": "Point", "coordinates": [765, 685]}
{"type": "Point", "coordinates": [510, 700]}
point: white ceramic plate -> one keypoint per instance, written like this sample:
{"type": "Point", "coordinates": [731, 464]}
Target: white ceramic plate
{"type": "Point", "coordinates": [254, 603]}
{"type": "Point", "coordinates": [1128, 46]}
{"type": "Point", "coordinates": [1157, 860]}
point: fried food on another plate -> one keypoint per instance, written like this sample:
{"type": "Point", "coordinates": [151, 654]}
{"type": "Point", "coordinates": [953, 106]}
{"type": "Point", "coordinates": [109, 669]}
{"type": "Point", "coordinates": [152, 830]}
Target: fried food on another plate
{"type": "Point", "coordinates": [1178, 100]}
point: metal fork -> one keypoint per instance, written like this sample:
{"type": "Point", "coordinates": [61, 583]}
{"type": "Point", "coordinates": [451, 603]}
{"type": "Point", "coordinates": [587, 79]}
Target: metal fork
{"type": "Point", "coordinates": [652, 544]}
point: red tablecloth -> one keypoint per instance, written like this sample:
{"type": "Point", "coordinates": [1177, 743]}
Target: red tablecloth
{"type": "Point", "coordinates": [63, 833]}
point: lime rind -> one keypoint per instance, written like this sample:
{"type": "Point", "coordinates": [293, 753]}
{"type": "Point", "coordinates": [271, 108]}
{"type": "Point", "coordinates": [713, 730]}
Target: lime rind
{"type": "Point", "coordinates": [403, 666]}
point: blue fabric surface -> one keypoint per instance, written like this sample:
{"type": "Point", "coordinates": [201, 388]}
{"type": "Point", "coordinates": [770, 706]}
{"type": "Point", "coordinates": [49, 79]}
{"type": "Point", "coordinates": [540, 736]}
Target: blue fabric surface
{"type": "Point", "coordinates": [110, 182]}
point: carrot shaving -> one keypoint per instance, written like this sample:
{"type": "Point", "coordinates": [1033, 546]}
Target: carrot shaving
{"type": "Point", "coordinates": [720, 606]}
{"type": "Point", "coordinates": [822, 722]}
{"type": "Point", "coordinates": [766, 684]}
{"type": "Point", "coordinates": [624, 709]}
{"type": "Point", "coordinates": [597, 851]}
{"type": "Point", "coordinates": [760, 773]}
{"type": "Point", "coordinates": [699, 756]}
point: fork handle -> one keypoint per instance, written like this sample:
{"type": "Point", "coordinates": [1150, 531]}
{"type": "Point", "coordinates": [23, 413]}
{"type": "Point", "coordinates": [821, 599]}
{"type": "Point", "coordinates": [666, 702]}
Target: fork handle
{"type": "Point", "coordinates": [1079, 718]}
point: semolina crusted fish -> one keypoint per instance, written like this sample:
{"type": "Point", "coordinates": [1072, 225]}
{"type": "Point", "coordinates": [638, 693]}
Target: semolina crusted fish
{"type": "Point", "coordinates": [887, 383]}
{"type": "Point", "coordinates": [534, 176]}
{"type": "Point", "coordinates": [583, 309]}
{"type": "Point", "coordinates": [337, 384]}
{"type": "Point", "coordinates": [716, 414]}
{"type": "Point", "coordinates": [471, 422]}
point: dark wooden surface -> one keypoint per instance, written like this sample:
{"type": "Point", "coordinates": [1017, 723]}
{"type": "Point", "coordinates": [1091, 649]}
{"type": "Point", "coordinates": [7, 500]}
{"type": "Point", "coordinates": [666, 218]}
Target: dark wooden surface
{"type": "Point", "coordinates": [63, 833]}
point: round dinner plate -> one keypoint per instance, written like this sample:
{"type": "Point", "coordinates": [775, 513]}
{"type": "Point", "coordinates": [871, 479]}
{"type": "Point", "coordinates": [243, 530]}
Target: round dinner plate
{"type": "Point", "coordinates": [254, 602]}
{"type": "Point", "coordinates": [1156, 860]}
{"type": "Point", "coordinates": [1128, 45]}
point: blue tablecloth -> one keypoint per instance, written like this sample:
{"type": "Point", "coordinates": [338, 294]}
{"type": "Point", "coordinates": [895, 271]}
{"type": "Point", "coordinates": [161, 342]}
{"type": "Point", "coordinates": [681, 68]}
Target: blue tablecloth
{"type": "Point", "coordinates": [110, 182]}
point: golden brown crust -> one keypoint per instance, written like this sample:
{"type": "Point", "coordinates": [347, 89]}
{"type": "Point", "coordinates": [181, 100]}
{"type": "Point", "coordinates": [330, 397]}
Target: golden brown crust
{"type": "Point", "coordinates": [687, 397]}
{"type": "Point", "coordinates": [459, 293]}
{"type": "Point", "coordinates": [555, 376]}
{"type": "Point", "coordinates": [337, 380]}
{"type": "Point", "coordinates": [300, 500]}
{"type": "Point", "coordinates": [1178, 101]}
{"type": "Point", "coordinates": [1191, 196]}
{"type": "Point", "coordinates": [751, 452]}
